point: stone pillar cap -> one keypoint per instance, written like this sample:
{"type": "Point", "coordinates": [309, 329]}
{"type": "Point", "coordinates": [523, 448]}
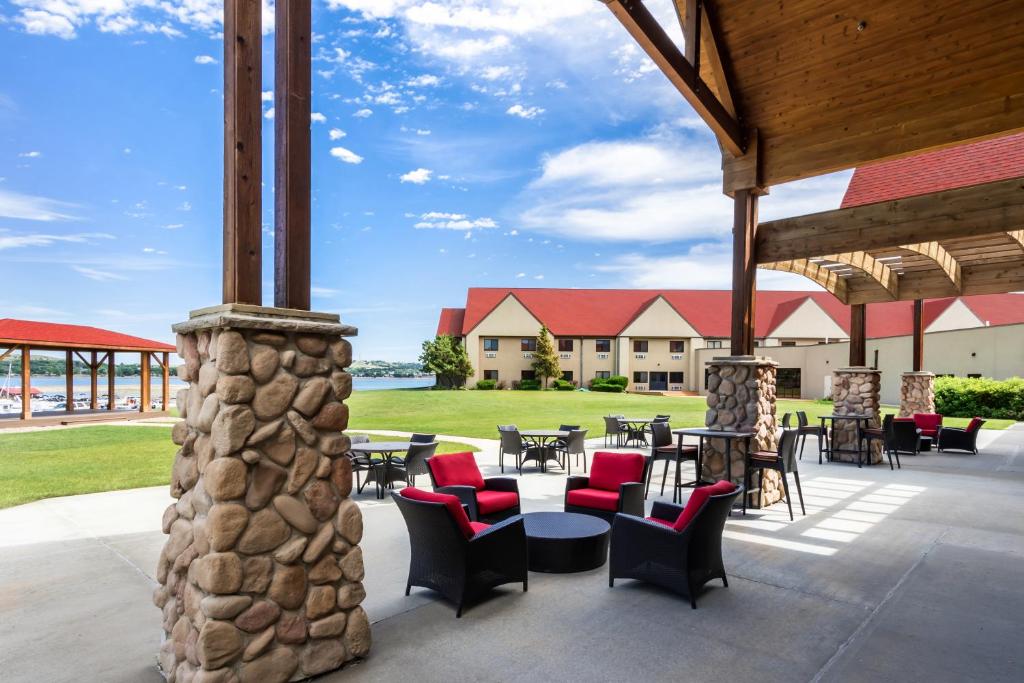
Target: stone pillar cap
{"type": "Point", "coordinates": [918, 373]}
{"type": "Point", "coordinates": [860, 369]}
{"type": "Point", "coordinates": [740, 360]}
{"type": "Point", "coordinates": [264, 318]}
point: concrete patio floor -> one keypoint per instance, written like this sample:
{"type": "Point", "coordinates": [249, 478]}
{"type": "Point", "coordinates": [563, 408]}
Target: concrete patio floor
{"type": "Point", "coordinates": [916, 574]}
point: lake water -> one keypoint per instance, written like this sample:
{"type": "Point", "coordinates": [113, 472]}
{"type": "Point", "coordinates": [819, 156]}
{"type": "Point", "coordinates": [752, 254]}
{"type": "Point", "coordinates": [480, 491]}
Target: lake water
{"type": "Point", "coordinates": [57, 383]}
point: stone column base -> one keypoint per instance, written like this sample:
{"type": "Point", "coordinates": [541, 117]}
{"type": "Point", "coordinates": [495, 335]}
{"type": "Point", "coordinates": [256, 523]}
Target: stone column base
{"type": "Point", "coordinates": [261, 575]}
{"type": "Point", "coordinates": [855, 392]}
{"type": "Point", "coordinates": [741, 397]}
{"type": "Point", "coordinates": [917, 393]}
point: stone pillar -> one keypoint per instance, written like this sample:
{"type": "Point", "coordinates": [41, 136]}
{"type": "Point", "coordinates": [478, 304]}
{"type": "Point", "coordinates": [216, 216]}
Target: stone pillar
{"type": "Point", "coordinates": [917, 393]}
{"type": "Point", "coordinates": [855, 392]}
{"type": "Point", "coordinates": [741, 397]}
{"type": "Point", "coordinates": [260, 577]}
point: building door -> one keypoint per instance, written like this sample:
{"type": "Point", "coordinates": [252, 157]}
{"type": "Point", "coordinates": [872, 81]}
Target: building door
{"type": "Point", "coordinates": [659, 381]}
{"type": "Point", "coordinates": [787, 383]}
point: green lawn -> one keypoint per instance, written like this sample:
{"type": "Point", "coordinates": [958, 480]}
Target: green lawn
{"type": "Point", "coordinates": [478, 413]}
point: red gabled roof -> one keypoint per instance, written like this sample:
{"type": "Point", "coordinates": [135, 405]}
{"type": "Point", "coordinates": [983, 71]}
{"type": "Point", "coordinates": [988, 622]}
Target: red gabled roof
{"type": "Point", "coordinates": [451, 322]}
{"type": "Point", "coordinates": [74, 336]}
{"type": "Point", "coordinates": [979, 162]}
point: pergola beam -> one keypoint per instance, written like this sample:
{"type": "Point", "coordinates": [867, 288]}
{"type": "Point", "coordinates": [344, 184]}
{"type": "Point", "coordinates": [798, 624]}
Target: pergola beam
{"type": "Point", "coordinates": [942, 258]}
{"type": "Point", "coordinates": [984, 278]}
{"type": "Point", "coordinates": [702, 44]}
{"type": "Point", "coordinates": [1017, 236]}
{"type": "Point", "coordinates": [870, 266]}
{"type": "Point", "coordinates": [651, 37]}
{"type": "Point", "coordinates": [831, 282]}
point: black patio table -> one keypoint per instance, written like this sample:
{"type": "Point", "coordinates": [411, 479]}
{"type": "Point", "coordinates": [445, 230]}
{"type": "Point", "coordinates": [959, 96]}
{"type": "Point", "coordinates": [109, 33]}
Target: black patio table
{"type": "Point", "coordinates": [564, 542]}
{"type": "Point", "coordinates": [635, 429]}
{"type": "Point", "coordinates": [704, 433]}
{"type": "Point", "coordinates": [862, 423]}
{"type": "Point", "coordinates": [542, 439]}
{"type": "Point", "coordinates": [386, 450]}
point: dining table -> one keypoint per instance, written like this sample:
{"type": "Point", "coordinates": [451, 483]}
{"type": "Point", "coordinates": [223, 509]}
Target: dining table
{"type": "Point", "coordinates": [543, 440]}
{"type": "Point", "coordinates": [635, 427]}
{"type": "Point", "coordinates": [703, 433]}
{"type": "Point", "coordinates": [862, 422]}
{"type": "Point", "coordinates": [386, 451]}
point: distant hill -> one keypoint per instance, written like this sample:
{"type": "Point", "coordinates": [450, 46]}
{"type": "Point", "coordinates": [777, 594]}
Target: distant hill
{"type": "Point", "coordinates": [385, 368]}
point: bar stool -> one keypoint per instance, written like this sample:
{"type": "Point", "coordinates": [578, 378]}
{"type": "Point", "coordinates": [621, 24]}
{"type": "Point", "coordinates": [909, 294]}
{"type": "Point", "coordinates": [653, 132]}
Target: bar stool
{"type": "Point", "coordinates": [782, 461]}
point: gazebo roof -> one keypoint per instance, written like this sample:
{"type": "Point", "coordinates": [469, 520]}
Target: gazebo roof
{"type": "Point", "coordinates": [61, 336]}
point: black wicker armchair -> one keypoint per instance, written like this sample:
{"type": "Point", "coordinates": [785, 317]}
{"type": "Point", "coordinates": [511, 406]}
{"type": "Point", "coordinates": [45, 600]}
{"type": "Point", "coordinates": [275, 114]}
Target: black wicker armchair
{"type": "Point", "coordinates": [488, 500]}
{"type": "Point", "coordinates": [678, 548]}
{"type": "Point", "coordinates": [459, 559]}
{"type": "Point", "coordinates": [615, 484]}
{"type": "Point", "coordinates": [961, 439]}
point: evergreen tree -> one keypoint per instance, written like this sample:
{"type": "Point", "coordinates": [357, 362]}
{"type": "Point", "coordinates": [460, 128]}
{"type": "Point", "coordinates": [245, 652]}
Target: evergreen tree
{"type": "Point", "coordinates": [448, 360]}
{"type": "Point", "coordinates": [545, 360]}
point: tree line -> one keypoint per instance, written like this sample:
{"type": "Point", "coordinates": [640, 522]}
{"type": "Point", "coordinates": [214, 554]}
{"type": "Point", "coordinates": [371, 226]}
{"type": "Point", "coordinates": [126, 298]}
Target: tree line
{"type": "Point", "coordinates": [53, 367]}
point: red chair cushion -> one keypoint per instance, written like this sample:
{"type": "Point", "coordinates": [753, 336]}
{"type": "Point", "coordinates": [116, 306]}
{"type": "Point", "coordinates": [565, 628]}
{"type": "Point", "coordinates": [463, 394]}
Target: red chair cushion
{"type": "Point", "coordinates": [928, 423]}
{"type": "Point", "coordinates": [456, 469]}
{"type": "Point", "coordinates": [608, 470]}
{"type": "Point", "coordinates": [659, 521]}
{"type": "Point", "coordinates": [594, 498]}
{"type": "Point", "coordinates": [697, 500]}
{"type": "Point", "coordinates": [975, 424]}
{"type": "Point", "coordinates": [489, 502]}
{"type": "Point", "coordinates": [455, 508]}
{"type": "Point", "coordinates": [478, 527]}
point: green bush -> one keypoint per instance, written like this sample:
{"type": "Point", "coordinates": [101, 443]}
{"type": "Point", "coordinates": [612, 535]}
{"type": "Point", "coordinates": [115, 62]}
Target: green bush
{"type": "Point", "coordinates": [603, 385]}
{"type": "Point", "coordinates": [486, 384]}
{"type": "Point", "coordinates": [528, 385]}
{"type": "Point", "coordinates": [619, 381]}
{"type": "Point", "coordinates": [984, 397]}
{"type": "Point", "coordinates": [564, 385]}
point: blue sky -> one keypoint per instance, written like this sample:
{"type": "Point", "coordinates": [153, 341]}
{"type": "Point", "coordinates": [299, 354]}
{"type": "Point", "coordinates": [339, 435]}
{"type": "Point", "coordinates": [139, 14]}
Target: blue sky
{"type": "Point", "coordinates": [455, 143]}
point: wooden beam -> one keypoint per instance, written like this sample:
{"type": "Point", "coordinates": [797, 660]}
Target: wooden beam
{"type": "Point", "coordinates": [858, 336]}
{"type": "Point", "coordinates": [94, 394]}
{"type": "Point", "coordinates": [962, 212]}
{"type": "Point", "coordinates": [1017, 236]}
{"type": "Point", "coordinates": [943, 259]}
{"type": "Point", "coordinates": [69, 382]}
{"type": "Point", "coordinates": [165, 369]}
{"type": "Point", "coordinates": [870, 266]}
{"type": "Point", "coordinates": [9, 351]}
{"type": "Point", "coordinates": [918, 337]}
{"type": "Point", "coordinates": [984, 278]}
{"type": "Point", "coordinates": [292, 73]}
{"type": "Point", "coordinates": [26, 383]}
{"type": "Point", "coordinates": [243, 117]}
{"type": "Point", "coordinates": [744, 272]}
{"type": "Point", "coordinates": [651, 37]}
{"type": "Point", "coordinates": [823, 276]}
{"type": "Point", "coordinates": [111, 384]}
{"type": "Point", "coordinates": [144, 393]}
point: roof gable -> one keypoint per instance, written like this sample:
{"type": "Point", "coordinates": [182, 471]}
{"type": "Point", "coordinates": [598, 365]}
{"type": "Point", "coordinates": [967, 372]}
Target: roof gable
{"type": "Point", "coordinates": [658, 318]}
{"type": "Point", "coordinates": [804, 319]}
{"type": "Point", "coordinates": [508, 317]}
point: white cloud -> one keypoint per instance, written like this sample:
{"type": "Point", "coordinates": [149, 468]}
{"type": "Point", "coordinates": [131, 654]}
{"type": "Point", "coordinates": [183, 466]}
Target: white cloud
{"type": "Point", "coordinates": [520, 275]}
{"type": "Point", "coordinates": [423, 80]}
{"type": "Point", "coordinates": [98, 275]}
{"type": "Point", "coordinates": [442, 220]}
{"type": "Point", "coordinates": [346, 155]}
{"type": "Point", "coordinates": [337, 134]}
{"type": "Point", "coordinates": [32, 208]}
{"type": "Point", "coordinates": [10, 240]}
{"type": "Point", "coordinates": [30, 155]}
{"type": "Point", "coordinates": [269, 114]}
{"type": "Point", "coordinates": [39, 22]}
{"type": "Point", "coordinates": [493, 73]}
{"type": "Point", "coordinates": [323, 292]}
{"type": "Point", "coordinates": [538, 277]}
{"type": "Point", "coordinates": [267, 95]}
{"type": "Point", "coordinates": [206, 59]}
{"type": "Point", "coordinates": [524, 112]}
{"type": "Point", "coordinates": [317, 117]}
{"type": "Point", "coordinates": [363, 113]}
{"type": "Point", "coordinates": [417, 177]}
{"type": "Point", "coordinates": [174, 226]}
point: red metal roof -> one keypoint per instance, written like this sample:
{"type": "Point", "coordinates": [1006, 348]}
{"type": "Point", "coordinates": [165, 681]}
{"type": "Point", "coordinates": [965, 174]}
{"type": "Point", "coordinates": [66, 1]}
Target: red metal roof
{"type": "Point", "coordinates": [73, 336]}
{"type": "Point", "coordinates": [451, 322]}
{"type": "Point", "coordinates": [606, 312]}
{"type": "Point", "coordinates": [980, 162]}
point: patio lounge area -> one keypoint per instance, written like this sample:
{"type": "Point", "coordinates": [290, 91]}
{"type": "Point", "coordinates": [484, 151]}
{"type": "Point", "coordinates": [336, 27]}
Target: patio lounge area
{"type": "Point", "coordinates": [916, 572]}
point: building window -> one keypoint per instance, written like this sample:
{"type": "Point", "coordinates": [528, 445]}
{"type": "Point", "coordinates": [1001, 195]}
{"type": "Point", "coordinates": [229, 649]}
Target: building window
{"type": "Point", "coordinates": [758, 343]}
{"type": "Point", "coordinates": [787, 383]}
{"type": "Point", "coordinates": [714, 343]}
{"type": "Point", "coordinates": [640, 346]}
{"type": "Point", "coordinates": [639, 378]}
{"type": "Point", "coordinates": [676, 378]}
{"type": "Point", "coordinates": [677, 346]}
{"type": "Point", "coordinates": [565, 345]}
{"type": "Point", "coordinates": [490, 344]}
{"type": "Point", "coordinates": [528, 374]}
{"type": "Point", "coordinates": [602, 374]}
{"type": "Point", "coordinates": [603, 345]}
{"type": "Point", "coordinates": [528, 344]}
{"type": "Point", "coordinates": [567, 375]}
{"type": "Point", "coordinates": [491, 374]}
{"type": "Point", "coordinates": [788, 343]}
{"type": "Point", "coordinates": [973, 375]}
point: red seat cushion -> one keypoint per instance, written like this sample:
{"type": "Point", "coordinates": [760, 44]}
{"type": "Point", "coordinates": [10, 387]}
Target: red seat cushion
{"type": "Point", "coordinates": [975, 424]}
{"type": "Point", "coordinates": [594, 498]}
{"type": "Point", "coordinates": [478, 527]}
{"type": "Point", "coordinates": [608, 470]}
{"type": "Point", "coordinates": [456, 469]}
{"type": "Point", "coordinates": [659, 521]}
{"type": "Point", "coordinates": [697, 500]}
{"type": "Point", "coordinates": [489, 502]}
{"type": "Point", "coordinates": [928, 423]}
{"type": "Point", "coordinates": [455, 508]}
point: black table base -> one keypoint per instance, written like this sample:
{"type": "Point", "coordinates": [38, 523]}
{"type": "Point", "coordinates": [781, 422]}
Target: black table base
{"type": "Point", "coordinates": [565, 542]}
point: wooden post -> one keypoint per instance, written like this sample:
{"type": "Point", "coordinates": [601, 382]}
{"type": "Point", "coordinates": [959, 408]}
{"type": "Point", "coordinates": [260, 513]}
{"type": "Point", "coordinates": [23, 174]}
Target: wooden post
{"type": "Point", "coordinates": [69, 382]}
{"type": "Point", "coordinates": [744, 272]}
{"type": "Point", "coordinates": [292, 73]}
{"type": "Point", "coordinates": [918, 335]}
{"type": "Point", "coordinates": [94, 395]}
{"type": "Point", "coordinates": [111, 376]}
{"type": "Point", "coordinates": [146, 380]}
{"type": "Point", "coordinates": [166, 367]}
{"type": "Point", "coordinates": [26, 383]}
{"type": "Point", "coordinates": [858, 336]}
{"type": "Point", "coordinates": [243, 117]}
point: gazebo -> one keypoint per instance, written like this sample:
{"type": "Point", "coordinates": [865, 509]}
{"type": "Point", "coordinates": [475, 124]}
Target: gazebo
{"type": "Point", "coordinates": [95, 348]}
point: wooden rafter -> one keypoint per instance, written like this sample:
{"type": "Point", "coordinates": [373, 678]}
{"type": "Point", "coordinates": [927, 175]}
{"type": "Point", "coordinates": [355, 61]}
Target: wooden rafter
{"type": "Point", "coordinates": [942, 258]}
{"type": "Point", "coordinates": [1017, 236]}
{"type": "Point", "coordinates": [703, 47]}
{"type": "Point", "coordinates": [3, 356]}
{"type": "Point", "coordinates": [870, 266]}
{"type": "Point", "coordinates": [823, 276]}
{"type": "Point", "coordinates": [651, 37]}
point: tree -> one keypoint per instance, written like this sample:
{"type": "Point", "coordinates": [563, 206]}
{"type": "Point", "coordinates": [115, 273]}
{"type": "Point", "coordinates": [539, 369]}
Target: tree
{"type": "Point", "coordinates": [545, 360]}
{"type": "Point", "coordinates": [448, 360]}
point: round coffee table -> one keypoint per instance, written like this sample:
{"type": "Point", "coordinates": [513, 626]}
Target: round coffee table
{"type": "Point", "coordinates": [563, 542]}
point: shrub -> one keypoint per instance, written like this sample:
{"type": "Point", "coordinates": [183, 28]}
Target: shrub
{"type": "Point", "coordinates": [982, 397]}
{"type": "Point", "coordinates": [486, 384]}
{"type": "Point", "coordinates": [603, 385]}
{"type": "Point", "coordinates": [528, 385]}
{"type": "Point", "coordinates": [618, 380]}
{"type": "Point", "coordinates": [564, 385]}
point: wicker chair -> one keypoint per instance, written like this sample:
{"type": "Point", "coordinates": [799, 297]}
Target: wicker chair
{"type": "Point", "coordinates": [906, 437]}
{"type": "Point", "coordinates": [787, 420]}
{"type": "Point", "coordinates": [615, 484]}
{"type": "Point", "coordinates": [512, 443]}
{"type": "Point", "coordinates": [885, 435]}
{"type": "Point", "coordinates": [459, 559]}
{"type": "Point", "coordinates": [805, 428]}
{"type": "Point", "coordinates": [961, 439]}
{"type": "Point", "coordinates": [662, 448]}
{"type": "Point", "coordinates": [782, 461]}
{"type": "Point", "coordinates": [678, 548]}
{"type": "Point", "coordinates": [422, 438]}
{"type": "Point", "coordinates": [414, 463]}
{"type": "Point", "coordinates": [488, 500]}
{"type": "Point", "coordinates": [612, 427]}
{"type": "Point", "coordinates": [360, 462]}
{"type": "Point", "coordinates": [574, 445]}
{"type": "Point", "coordinates": [929, 424]}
